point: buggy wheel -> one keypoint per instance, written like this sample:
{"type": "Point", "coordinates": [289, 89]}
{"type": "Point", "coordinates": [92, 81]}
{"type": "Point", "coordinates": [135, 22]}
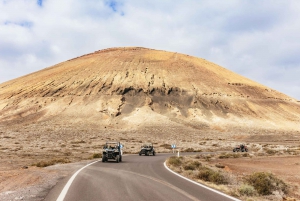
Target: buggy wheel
{"type": "Point", "coordinates": [103, 159]}
{"type": "Point", "coordinates": [140, 154]}
{"type": "Point", "coordinates": [154, 153]}
{"type": "Point", "coordinates": [234, 150]}
{"type": "Point", "coordinates": [246, 150]}
{"type": "Point", "coordinates": [120, 158]}
{"type": "Point", "coordinates": [117, 159]}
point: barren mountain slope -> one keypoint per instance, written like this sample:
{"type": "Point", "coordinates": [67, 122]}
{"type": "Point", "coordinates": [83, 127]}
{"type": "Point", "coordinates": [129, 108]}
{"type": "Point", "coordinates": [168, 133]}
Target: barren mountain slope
{"type": "Point", "coordinates": [132, 86]}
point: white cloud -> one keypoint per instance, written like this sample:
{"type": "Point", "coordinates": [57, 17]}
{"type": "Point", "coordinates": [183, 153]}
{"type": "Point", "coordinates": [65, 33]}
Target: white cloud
{"type": "Point", "coordinates": [258, 39]}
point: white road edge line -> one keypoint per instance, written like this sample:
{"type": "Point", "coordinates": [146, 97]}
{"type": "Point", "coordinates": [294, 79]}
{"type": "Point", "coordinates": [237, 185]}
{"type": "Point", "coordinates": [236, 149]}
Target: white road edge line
{"type": "Point", "coordinates": [213, 190]}
{"type": "Point", "coordinates": [63, 193]}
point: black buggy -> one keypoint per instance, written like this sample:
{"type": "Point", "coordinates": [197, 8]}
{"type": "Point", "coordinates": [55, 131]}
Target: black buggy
{"type": "Point", "coordinates": [112, 150]}
{"type": "Point", "coordinates": [241, 147]}
{"type": "Point", "coordinates": [147, 149]}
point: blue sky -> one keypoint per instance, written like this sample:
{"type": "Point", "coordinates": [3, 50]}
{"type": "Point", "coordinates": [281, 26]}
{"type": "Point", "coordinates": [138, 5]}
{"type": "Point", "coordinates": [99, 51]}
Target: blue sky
{"type": "Point", "coordinates": [257, 39]}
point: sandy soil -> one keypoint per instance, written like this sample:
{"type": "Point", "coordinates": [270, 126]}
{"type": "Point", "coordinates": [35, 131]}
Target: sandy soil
{"type": "Point", "coordinates": [286, 168]}
{"type": "Point", "coordinates": [30, 182]}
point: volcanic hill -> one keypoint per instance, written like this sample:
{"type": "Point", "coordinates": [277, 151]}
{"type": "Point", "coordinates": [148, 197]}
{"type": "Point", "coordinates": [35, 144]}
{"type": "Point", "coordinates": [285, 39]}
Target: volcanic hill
{"type": "Point", "coordinates": [132, 87]}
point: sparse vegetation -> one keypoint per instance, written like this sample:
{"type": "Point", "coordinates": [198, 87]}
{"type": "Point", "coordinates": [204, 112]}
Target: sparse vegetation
{"type": "Point", "coordinates": [199, 167]}
{"type": "Point", "coordinates": [265, 183]}
{"type": "Point", "coordinates": [211, 175]}
{"type": "Point", "coordinates": [78, 142]}
{"type": "Point", "coordinates": [189, 150]}
{"type": "Point", "coordinates": [247, 190]}
{"type": "Point", "coordinates": [97, 155]}
{"type": "Point", "coordinates": [192, 165]}
{"type": "Point", "coordinates": [175, 161]}
{"type": "Point", "coordinates": [51, 162]}
{"type": "Point", "coordinates": [232, 155]}
{"type": "Point", "coordinates": [220, 166]}
{"type": "Point", "coordinates": [271, 151]}
{"type": "Point", "coordinates": [166, 146]}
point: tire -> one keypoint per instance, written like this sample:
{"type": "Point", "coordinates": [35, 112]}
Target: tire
{"type": "Point", "coordinates": [246, 150]}
{"type": "Point", "coordinates": [243, 150]}
{"type": "Point", "coordinates": [103, 159]}
{"type": "Point", "coordinates": [234, 150]}
{"type": "Point", "coordinates": [154, 153]}
{"type": "Point", "coordinates": [117, 158]}
{"type": "Point", "coordinates": [120, 158]}
{"type": "Point", "coordinates": [140, 154]}
{"type": "Point", "coordinates": [147, 153]}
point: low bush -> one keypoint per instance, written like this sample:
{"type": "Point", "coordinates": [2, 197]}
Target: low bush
{"type": "Point", "coordinates": [223, 156]}
{"type": "Point", "coordinates": [189, 167]}
{"type": "Point", "coordinates": [220, 166]}
{"type": "Point", "coordinates": [265, 183]}
{"type": "Point", "coordinates": [51, 162]}
{"type": "Point", "coordinates": [247, 190]}
{"type": "Point", "coordinates": [245, 155]}
{"type": "Point", "coordinates": [175, 161]}
{"type": "Point", "coordinates": [166, 146]}
{"type": "Point", "coordinates": [236, 155]}
{"type": "Point", "coordinates": [271, 151]}
{"type": "Point", "coordinates": [196, 163]}
{"type": "Point", "coordinates": [189, 150]}
{"type": "Point", "coordinates": [192, 165]}
{"type": "Point", "coordinates": [97, 155]}
{"type": "Point", "coordinates": [210, 175]}
{"type": "Point", "coordinates": [78, 142]}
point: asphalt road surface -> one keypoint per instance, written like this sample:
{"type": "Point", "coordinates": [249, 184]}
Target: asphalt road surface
{"type": "Point", "coordinates": [136, 178]}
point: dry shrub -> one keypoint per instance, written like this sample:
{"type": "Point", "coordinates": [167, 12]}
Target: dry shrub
{"type": "Point", "coordinates": [245, 155]}
{"type": "Point", "coordinates": [266, 183]}
{"type": "Point", "coordinates": [68, 153]}
{"type": "Point", "coordinates": [175, 161]}
{"type": "Point", "coordinates": [166, 146]}
{"type": "Point", "coordinates": [192, 165]}
{"type": "Point", "coordinates": [223, 156]}
{"type": "Point", "coordinates": [78, 142]}
{"type": "Point", "coordinates": [52, 162]}
{"type": "Point", "coordinates": [189, 167]}
{"type": "Point", "coordinates": [220, 166]}
{"type": "Point", "coordinates": [210, 175]}
{"type": "Point", "coordinates": [271, 151]}
{"type": "Point", "coordinates": [247, 190]}
{"type": "Point", "coordinates": [236, 155]}
{"type": "Point", "coordinates": [97, 155]}
{"type": "Point", "coordinates": [196, 163]}
{"type": "Point", "coordinates": [189, 150]}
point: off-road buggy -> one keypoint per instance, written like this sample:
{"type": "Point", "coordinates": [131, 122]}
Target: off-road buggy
{"type": "Point", "coordinates": [242, 148]}
{"type": "Point", "coordinates": [147, 149]}
{"type": "Point", "coordinates": [112, 150]}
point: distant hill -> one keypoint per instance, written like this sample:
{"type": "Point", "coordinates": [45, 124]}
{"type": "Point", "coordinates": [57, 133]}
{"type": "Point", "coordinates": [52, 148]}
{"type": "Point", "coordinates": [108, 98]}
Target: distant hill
{"type": "Point", "coordinates": [134, 86]}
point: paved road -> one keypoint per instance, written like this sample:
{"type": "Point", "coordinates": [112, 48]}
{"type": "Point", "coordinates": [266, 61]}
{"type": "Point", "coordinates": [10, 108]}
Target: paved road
{"type": "Point", "coordinates": [136, 178]}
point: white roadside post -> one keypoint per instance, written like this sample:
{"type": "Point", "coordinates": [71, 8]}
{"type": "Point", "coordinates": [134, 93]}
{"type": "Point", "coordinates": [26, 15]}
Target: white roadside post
{"type": "Point", "coordinates": [178, 153]}
{"type": "Point", "coordinates": [121, 148]}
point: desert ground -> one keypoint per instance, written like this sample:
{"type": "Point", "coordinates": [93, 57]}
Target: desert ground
{"type": "Point", "coordinates": [66, 148]}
